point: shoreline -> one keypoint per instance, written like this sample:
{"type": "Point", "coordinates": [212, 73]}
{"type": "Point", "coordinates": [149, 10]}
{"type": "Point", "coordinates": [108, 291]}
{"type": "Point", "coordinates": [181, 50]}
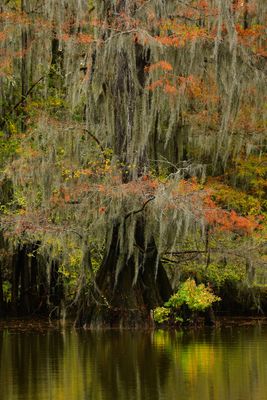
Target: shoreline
{"type": "Point", "coordinates": [42, 325]}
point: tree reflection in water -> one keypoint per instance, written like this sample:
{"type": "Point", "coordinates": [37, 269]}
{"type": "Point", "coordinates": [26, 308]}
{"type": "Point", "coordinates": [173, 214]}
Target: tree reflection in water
{"type": "Point", "coordinates": [133, 365]}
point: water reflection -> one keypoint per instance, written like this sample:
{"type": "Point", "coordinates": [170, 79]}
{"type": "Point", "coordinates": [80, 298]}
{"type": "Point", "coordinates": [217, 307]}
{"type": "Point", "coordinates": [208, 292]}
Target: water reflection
{"type": "Point", "coordinates": [70, 365]}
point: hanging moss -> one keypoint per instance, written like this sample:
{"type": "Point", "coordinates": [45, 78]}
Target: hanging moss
{"type": "Point", "coordinates": [115, 104]}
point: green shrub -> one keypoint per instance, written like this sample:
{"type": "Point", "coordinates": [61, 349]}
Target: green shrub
{"type": "Point", "coordinates": [195, 297]}
{"type": "Point", "coordinates": [161, 315]}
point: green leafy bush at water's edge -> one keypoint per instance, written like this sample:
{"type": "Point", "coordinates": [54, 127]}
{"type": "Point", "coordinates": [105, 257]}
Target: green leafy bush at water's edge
{"type": "Point", "coordinates": [161, 315]}
{"type": "Point", "coordinates": [194, 297]}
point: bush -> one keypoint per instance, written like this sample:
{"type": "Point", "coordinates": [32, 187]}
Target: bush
{"type": "Point", "coordinates": [194, 297]}
{"type": "Point", "coordinates": [161, 315]}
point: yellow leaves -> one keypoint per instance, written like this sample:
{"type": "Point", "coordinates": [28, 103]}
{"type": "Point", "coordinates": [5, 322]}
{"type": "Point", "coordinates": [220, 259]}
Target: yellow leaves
{"type": "Point", "coordinates": [55, 102]}
{"type": "Point", "coordinates": [51, 103]}
{"type": "Point", "coordinates": [68, 174]}
{"type": "Point", "coordinates": [83, 172]}
{"type": "Point", "coordinates": [252, 172]}
{"type": "Point", "coordinates": [231, 198]}
{"type": "Point", "coordinates": [12, 128]}
{"type": "Point", "coordinates": [22, 212]}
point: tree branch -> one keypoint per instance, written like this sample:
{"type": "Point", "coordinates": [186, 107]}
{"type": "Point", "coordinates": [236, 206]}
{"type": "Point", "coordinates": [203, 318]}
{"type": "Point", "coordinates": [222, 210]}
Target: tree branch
{"type": "Point", "coordinates": [179, 253]}
{"type": "Point", "coordinates": [20, 102]}
{"type": "Point", "coordinates": [98, 143]}
{"type": "Point", "coordinates": [141, 209]}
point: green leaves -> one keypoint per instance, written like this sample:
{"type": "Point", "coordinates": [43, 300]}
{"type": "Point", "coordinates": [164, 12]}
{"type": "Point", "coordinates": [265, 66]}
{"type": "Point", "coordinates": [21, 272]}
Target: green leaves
{"type": "Point", "coordinates": [161, 314]}
{"type": "Point", "coordinates": [195, 297]}
{"type": "Point", "coordinates": [8, 146]}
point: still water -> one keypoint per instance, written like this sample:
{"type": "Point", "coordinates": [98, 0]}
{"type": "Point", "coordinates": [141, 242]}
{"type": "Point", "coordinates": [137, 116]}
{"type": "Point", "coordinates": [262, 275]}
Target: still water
{"type": "Point", "coordinates": [224, 364]}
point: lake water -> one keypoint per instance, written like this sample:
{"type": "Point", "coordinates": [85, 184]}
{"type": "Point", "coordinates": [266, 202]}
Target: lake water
{"type": "Point", "coordinates": [222, 364]}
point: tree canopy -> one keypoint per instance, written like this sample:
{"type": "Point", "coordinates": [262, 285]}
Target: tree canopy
{"type": "Point", "coordinates": [133, 134]}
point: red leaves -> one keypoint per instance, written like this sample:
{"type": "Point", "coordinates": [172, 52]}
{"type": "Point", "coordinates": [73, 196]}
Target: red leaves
{"type": "Point", "coordinates": [84, 38]}
{"type": "Point", "coordinates": [81, 38]}
{"type": "Point", "coordinates": [173, 85]}
{"type": "Point", "coordinates": [67, 198]}
{"type": "Point", "coordinates": [163, 82]}
{"type": "Point", "coordinates": [182, 34]}
{"type": "Point", "coordinates": [202, 4]}
{"type": "Point", "coordinates": [163, 65]}
{"type": "Point", "coordinates": [170, 89]}
{"type": "Point", "coordinates": [224, 220]}
{"type": "Point", "coordinates": [155, 85]}
{"type": "Point", "coordinates": [3, 35]}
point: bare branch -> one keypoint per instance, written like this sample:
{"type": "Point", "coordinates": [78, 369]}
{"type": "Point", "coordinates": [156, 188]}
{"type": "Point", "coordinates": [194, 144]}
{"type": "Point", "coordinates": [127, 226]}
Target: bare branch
{"type": "Point", "coordinates": [141, 209]}
{"type": "Point", "coordinates": [20, 102]}
{"type": "Point", "coordinates": [98, 143]}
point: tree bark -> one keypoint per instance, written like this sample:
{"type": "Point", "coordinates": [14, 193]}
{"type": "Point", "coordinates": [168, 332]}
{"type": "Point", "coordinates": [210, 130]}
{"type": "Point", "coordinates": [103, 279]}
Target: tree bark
{"type": "Point", "coordinates": [1, 293]}
{"type": "Point", "coordinates": [120, 300]}
{"type": "Point", "coordinates": [121, 297]}
{"type": "Point", "coordinates": [24, 67]}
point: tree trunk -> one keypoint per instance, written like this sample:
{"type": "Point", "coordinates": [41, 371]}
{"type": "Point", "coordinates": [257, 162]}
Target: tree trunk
{"type": "Point", "coordinates": [24, 68]}
{"type": "Point", "coordinates": [24, 286]}
{"type": "Point", "coordinates": [56, 290]}
{"type": "Point", "coordinates": [15, 283]}
{"type": "Point", "coordinates": [118, 298]}
{"type": "Point", "coordinates": [1, 293]}
{"type": "Point", "coordinates": [127, 286]}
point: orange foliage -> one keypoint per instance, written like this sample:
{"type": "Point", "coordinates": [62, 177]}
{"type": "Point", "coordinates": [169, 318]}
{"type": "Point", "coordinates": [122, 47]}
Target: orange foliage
{"type": "Point", "coordinates": [170, 89]}
{"type": "Point", "coordinates": [164, 65]}
{"type": "Point", "coordinates": [181, 33]}
{"type": "Point", "coordinates": [155, 85]}
{"type": "Point", "coordinates": [3, 35]}
{"type": "Point", "coordinates": [223, 220]}
{"type": "Point", "coordinates": [84, 39]}
{"type": "Point", "coordinates": [64, 37]}
{"type": "Point", "coordinates": [254, 38]}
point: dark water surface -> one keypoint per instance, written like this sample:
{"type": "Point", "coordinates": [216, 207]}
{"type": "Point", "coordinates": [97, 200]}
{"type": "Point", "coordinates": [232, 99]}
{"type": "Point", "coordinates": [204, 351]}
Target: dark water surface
{"type": "Point", "coordinates": [223, 364]}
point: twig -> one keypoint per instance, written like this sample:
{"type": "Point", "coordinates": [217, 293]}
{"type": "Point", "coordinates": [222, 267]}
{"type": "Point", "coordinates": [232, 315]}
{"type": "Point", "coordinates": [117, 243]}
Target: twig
{"type": "Point", "coordinates": [142, 6]}
{"type": "Point", "coordinates": [27, 94]}
{"type": "Point", "coordinates": [98, 143]}
{"type": "Point", "coordinates": [178, 253]}
{"type": "Point", "coordinates": [77, 233]}
{"type": "Point", "coordinates": [141, 209]}
{"type": "Point", "coordinates": [21, 101]}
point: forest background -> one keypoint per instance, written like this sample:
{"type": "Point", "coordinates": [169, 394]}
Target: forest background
{"type": "Point", "coordinates": [133, 158]}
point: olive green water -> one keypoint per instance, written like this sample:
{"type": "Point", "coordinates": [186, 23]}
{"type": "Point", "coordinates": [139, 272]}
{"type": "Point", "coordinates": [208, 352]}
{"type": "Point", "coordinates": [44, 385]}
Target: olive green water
{"type": "Point", "coordinates": [226, 364]}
